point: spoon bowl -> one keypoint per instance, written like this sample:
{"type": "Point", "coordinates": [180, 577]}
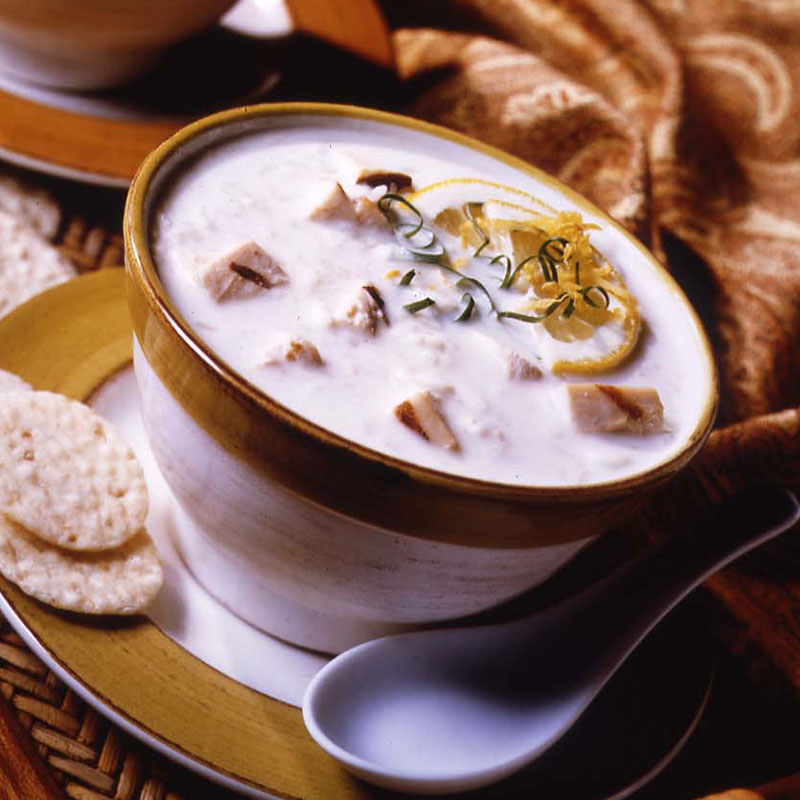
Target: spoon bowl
{"type": "Point", "coordinates": [442, 711]}
{"type": "Point", "coordinates": [439, 713]}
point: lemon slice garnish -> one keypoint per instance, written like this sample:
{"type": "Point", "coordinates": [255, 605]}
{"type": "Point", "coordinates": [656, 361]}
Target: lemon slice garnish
{"type": "Point", "coordinates": [630, 324]}
{"type": "Point", "coordinates": [453, 193]}
{"type": "Point", "coordinates": [617, 327]}
{"type": "Point", "coordinates": [563, 281]}
{"type": "Point", "coordinates": [444, 203]}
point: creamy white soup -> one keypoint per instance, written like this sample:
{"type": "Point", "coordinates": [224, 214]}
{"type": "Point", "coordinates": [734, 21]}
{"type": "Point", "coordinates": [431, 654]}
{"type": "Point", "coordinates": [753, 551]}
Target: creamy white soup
{"type": "Point", "coordinates": [464, 326]}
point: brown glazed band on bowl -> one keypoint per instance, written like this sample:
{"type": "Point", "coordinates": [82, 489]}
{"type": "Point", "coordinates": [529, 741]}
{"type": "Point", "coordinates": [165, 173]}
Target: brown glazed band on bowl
{"type": "Point", "coordinates": [322, 470]}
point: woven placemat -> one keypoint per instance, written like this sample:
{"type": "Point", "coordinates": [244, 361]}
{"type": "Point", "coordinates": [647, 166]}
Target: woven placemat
{"type": "Point", "coordinates": [87, 756]}
{"type": "Point", "coordinates": [91, 246]}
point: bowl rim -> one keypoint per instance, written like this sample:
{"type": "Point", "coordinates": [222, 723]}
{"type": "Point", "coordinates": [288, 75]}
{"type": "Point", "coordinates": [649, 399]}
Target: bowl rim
{"type": "Point", "coordinates": [142, 270]}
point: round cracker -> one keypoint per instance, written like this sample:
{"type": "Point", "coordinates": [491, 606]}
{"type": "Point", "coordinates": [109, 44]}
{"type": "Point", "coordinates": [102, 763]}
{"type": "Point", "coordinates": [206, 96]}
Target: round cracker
{"type": "Point", "coordinates": [10, 382]}
{"type": "Point", "coordinates": [121, 581]}
{"type": "Point", "coordinates": [66, 474]}
{"type": "Point", "coordinates": [30, 204]}
{"type": "Point", "coordinates": [29, 264]}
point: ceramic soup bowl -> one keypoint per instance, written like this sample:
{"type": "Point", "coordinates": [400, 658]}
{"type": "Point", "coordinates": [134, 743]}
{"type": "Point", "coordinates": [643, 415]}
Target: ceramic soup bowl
{"type": "Point", "coordinates": [316, 536]}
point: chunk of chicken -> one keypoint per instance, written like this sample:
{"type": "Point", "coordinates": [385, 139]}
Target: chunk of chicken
{"type": "Point", "coordinates": [336, 205]}
{"type": "Point", "coordinates": [423, 417]}
{"type": "Point", "coordinates": [333, 204]}
{"type": "Point", "coordinates": [243, 272]}
{"type": "Point", "coordinates": [296, 350]}
{"type": "Point", "coordinates": [392, 180]}
{"type": "Point", "coordinates": [369, 215]}
{"type": "Point", "coordinates": [365, 313]}
{"type": "Point", "coordinates": [520, 369]}
{"type": "Point", "coordinates": [601, 408]}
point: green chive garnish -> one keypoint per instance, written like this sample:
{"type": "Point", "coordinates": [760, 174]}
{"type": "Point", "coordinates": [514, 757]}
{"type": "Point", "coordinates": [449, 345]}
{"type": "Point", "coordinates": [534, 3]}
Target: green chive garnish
{"type": "Point", "coordinates": [385, 205]}
{"type": "Point", "coordinates": [419, 305]}
{"type": "Point", "coordinates": [422, 244]}
{"type": "Point", "coordinates": [507, 284]}
{"type": "Point", "coordinates": [470, 214]}
{"type": "Point", "coordinates": [521, 317]}
{"type": "Point", "coordinates": [433, 256]}
{"type": "Point", "coordinates": [465, 280]}
{"type": "Point", "coordinates": [560, 245]}
{"type": "Point", "coordinates": [422, 237]}
{"type": "Point", "coordinates": [506, 262]}
{"type": "Point", "coordinates": [549, 259]}
{"type": "Point", "coordinates": [601, 291]}
{"type": "Point", "coordinates": [469, 307]}
{"type": "Point", "coordinates": [535, 317]}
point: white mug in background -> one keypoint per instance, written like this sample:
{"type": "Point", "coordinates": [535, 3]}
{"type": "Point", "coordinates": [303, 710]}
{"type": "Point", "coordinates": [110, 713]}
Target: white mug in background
{"type": "Point", "coordinates": [97, 44]}
{"type": "Point", "coordinates": [94, 44]}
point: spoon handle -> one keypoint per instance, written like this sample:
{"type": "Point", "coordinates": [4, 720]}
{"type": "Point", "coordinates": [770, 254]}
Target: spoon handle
{"type": "Point", "coordinates": [604, 624]}
{"type": "Point", "coordinates": [731, 529]}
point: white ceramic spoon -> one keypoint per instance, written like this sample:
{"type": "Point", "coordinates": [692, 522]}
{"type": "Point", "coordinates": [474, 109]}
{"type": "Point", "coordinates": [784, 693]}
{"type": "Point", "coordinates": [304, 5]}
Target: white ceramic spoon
{"type": "Point", "coordinates": [442, 711]}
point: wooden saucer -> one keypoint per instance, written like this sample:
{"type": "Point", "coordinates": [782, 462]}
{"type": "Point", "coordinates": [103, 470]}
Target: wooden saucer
{"type": "Point", "coordinates": [102, 138]}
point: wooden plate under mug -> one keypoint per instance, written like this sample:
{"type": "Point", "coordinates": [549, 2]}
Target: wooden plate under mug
{"type": "Point", "coordinates": [102, 137]}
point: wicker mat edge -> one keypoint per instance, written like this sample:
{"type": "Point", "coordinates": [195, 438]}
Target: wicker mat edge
{"type": "Point", "coordinates": [86, 755]}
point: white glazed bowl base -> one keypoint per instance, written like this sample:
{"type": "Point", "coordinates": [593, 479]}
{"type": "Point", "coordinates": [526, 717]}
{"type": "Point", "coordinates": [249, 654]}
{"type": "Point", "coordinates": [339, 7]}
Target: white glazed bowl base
{"type": "Point", "coordinates": [304, 573]}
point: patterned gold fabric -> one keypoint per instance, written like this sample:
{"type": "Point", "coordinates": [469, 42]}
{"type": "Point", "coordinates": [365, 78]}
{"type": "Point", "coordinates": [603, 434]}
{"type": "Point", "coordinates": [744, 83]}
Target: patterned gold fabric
{"type": "Point", "coordinates": [682, 119]}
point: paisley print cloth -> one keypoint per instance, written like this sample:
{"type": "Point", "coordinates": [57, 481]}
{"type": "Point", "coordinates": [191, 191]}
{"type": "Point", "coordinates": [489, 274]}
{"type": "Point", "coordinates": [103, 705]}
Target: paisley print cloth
{"type": "Point", "coordinates": [682, 119]}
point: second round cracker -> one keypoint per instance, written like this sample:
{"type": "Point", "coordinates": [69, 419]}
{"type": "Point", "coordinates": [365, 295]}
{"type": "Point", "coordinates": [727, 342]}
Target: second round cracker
{"type": "Point", "coordinates": [121, 581]}
{"type": "Point", "coordinates": [66, 474]}
{"type": "Point", "coordinates": [29, 264]}
{"type": "Point", "coordinates": [30, 204]}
